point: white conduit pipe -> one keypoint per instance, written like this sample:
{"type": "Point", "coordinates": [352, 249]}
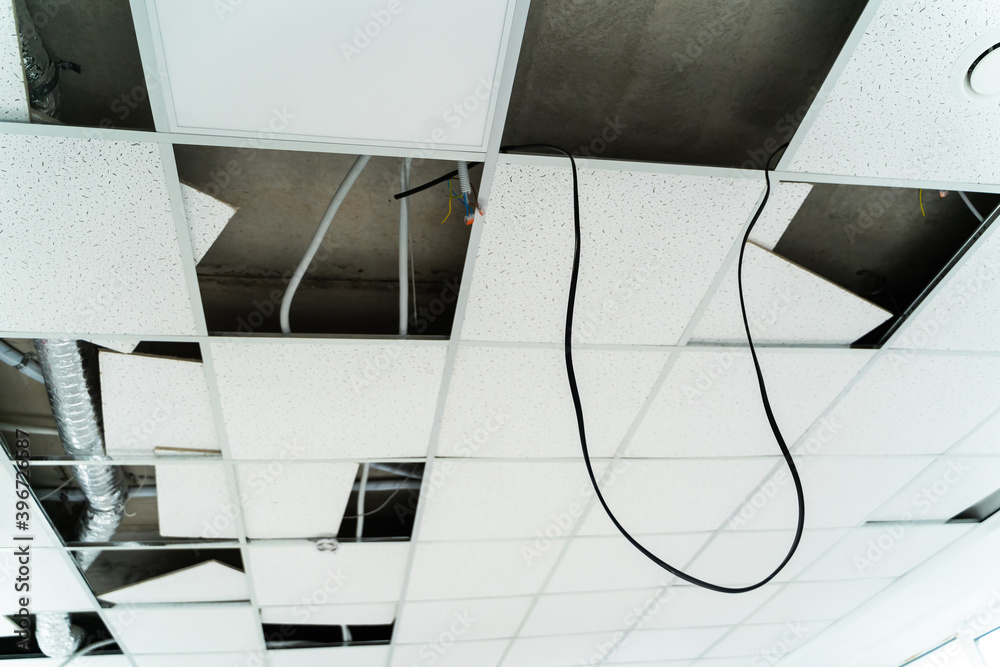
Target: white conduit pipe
{"type": "Point", "coordinates": [975, 211]}
{"type": "Point", "coordinates": [361, 502]}
{"type": "Point", "coordinates": [20, 361]}
{"type": "Point", "coordinates": [463, 178]}
{"type": "Point", "coordinates": [324, 225]}
{"type": "Point", "coordinates": [404, 245]}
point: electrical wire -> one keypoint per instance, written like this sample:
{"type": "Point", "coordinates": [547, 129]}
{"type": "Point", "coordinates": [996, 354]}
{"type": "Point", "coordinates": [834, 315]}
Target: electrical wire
{"type": "Point", "coordinates": [88, 650]}
{"type": "Point", "coordinates": [431, 184]}
{"type": "Point", "coordinates": [577, 404]}
{"type": "Point", "coordinates": [920, 196]}
{"type": "Point", "coordinates": [975, 211]}
{"type": "Point", "coordinates": [377, 509]}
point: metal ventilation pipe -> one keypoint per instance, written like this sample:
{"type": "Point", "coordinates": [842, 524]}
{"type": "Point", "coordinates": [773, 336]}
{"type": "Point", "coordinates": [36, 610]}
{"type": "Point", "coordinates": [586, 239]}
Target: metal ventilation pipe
{"type": "Point", "coordinates": [41, 73]}
{"type": "Point", "coordinates": [70, 394]}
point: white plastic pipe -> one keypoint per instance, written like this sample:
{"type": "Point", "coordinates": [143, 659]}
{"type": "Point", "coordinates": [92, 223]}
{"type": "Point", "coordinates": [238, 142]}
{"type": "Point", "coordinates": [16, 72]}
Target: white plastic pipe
{"type": "Point", "coordinates": [404, 244]}
{"type": "Point", "coordinates": [317, 240]}
{"type": "Point", "coordinates": [361, 502]}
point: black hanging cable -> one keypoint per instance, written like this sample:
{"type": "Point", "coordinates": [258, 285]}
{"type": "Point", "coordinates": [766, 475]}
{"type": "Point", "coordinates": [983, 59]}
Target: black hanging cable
{"type": "Point", "coordinates": [430, 184]}
{"type": "Point", "coordinates": [571, 376]}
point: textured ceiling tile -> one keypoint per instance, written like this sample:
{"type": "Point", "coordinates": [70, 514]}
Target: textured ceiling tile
{"type": "Point", "coordinates": [328, 399]}
{"type": "Point", "coordinates": [52, 584]}
{"type": "Point", "coordinates": [760, 552]}
{"type": "Point", "coordinates": [785, 304]}
{"type": "Point", "coordinates": [763, 642]}
{"type": "Point", "coordinates": [447, 570]}
{"type": "Point", "coordinates": [692, 607]}
{"type": "Point", "coordinates": [151, 402]}
{"type": "Point", "coordinates": [963, 313]}
{"type": "Point", "coordinates": [460, 654]}
{"type": "Point", "coordinates": [13, 94]}
{"type": "Point", "coordinates": [782, 205]}
{"type": "Point", "coordinates": [648, 645]}
{"type": "Point", "coordinates": [585, 649]}
{"type": "Point", "coordinates": [710, 403]}
{"type": "Point", "coordinates": [608, 563]}
{"type": "Point", "coordinates": [288, 572]}
{"type": "Point", "coordinates": [489, 500]}
{"type": "Point", "coordinates": [985, 439]}
{"type": "Point", "coordinates": [947, 487]}
{"type": "Point", "coordinates": [355, 656]}
{"type": "Point", "coordinates": [913, 403]}
{"type": "Point", "coordinates": [510, 402]}
{"type": "Point", "coordinates": [210, 581]}
{"type": "Point", "coordinates": [430, 621]}
{"type": "Point", "coordinates": [193, 660]}
{"type": "Point", "coordinates": [186, 629]}
{"type": "Point", "coordinates": [283, 500]}
{"type": "Point", "coordinates": [893, 112]}
{"type": "Point", "coordinates": [123, 346]}
{"type": "Point", "coordinates": [883, 551]}
{"type": "Point", "coordinates": [686, 495]}
{"type": "Point", "coordinates": [569, 613]}
{"type": "Point", "coordinates": [652, 244]}
{"type": "Point", "coordinates": [90, 244]}
{"type": "Point", "coordinates": [373, 613]}
{"type": "Point", "coordinates": [817, 601]}
{"type": "Point", "coordinates": [206, 217]}
{"type": "Point", "coordinates": [840, 491]}
{"type": "Point", "coordinates": [194, 501]}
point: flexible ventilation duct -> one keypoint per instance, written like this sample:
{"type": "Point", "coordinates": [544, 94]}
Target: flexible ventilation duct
{"type": "Point", "coordinates": [73, 406]}
{"type": "Point", "coordinates": [41, 73]}
{"type": "Point", "coordinates": [55, 636]}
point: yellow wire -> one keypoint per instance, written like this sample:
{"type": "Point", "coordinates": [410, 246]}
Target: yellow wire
{"type": "Point", "coordinates": [920, 193]}
{"type": "Point", "coordinates": [449, 211]}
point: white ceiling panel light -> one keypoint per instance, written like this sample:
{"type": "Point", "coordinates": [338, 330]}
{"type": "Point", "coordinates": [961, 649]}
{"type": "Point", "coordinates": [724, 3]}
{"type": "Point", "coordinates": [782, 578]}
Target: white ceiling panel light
{"type": "Point", "coordinates": [186, 628]}
{"type": "Point", "coordinates": [785, 304]}
{"type": "Point", "coordinates": [704, 384]}
{"type": "Point", "coordinates": [90, 243]}
{"type": "Point", "coordinates": [384, 393]}
{"type": "Point", "coordinates": [514, 402]}
{"type": "Point", "coordinates": [642, 275]}
{"type": "Point", "coordinates": [284, 500]}
{"type": "Point", "coordinates": [373, 53]}
{"type": "Point", "coordinates": [359, 572]}
{"type": "Point", "coordinates": [151, 402]}
{"type": "Point", "coordinates": [900, 405]}
{"type": "Point", "coordinates": [946, 133]}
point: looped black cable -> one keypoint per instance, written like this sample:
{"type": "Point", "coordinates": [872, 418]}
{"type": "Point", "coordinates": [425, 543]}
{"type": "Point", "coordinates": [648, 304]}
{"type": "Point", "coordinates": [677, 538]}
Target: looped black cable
{"type": "Point", "coordinates": [571, 376]}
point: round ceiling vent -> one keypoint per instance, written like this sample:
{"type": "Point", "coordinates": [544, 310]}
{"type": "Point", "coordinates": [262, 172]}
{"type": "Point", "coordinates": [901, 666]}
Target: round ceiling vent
{"type": "Point", "coordinates": [984, 75]}
{"type": "Point", "coordinates": [976, 75]}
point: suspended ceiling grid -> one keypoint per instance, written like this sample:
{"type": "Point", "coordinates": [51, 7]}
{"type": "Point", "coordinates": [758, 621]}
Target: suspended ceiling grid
{"type": "Point", "coordinates": [520, 544]}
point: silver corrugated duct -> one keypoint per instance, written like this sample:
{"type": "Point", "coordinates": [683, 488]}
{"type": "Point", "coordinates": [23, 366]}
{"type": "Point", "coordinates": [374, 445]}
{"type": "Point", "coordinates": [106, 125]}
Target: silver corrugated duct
{"type": "Point", "coordinates": [41, 73]}
{"type": "Point", "coordinates": [55, 636]}
{"type": "Point", "coordinates": [67, 382]}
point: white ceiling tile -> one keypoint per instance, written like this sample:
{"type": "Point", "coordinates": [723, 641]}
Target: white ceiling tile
{"type": "Point", "coordinates": [937, 135]}
{"type": "Point", "coordinates": [442, 621]}
{"type": "Point", "coordinates": [193, 501]}
{"type": "Point", "coordinates": [447, 570]}
{"type": "Point", "coordinates": [719, 389]}
{"type": "Point", "coordinates": [90, 241]}
{"type": "Point", "coordinates": [415, 107]}
{"type": "Point", "coordinates": [488, 499]}
{"type": "Point", "coordinates": [767, 644]}
{"type": "Point", "coordinates": [53, 584]}
{"type": "Point", "coordinates": [574, 613]}
{"type": "Point", "coordinates": [198, 660]}
{"type": "Point", "coordinates": [206, 217]}
{"type": "Point", "coordinates": [945, 488]}
{"type": "Point", "coordinates": [511, 402]}
{"type": "Point", "coordinates": [13, 94]}
{"type": "Point", "coordinates": [210, 581]}
{"type": "Point", "coordinates": [354, 573]}
{"type": "Point", "coordinates": [329, 399]}
{"type": "Point", "coordinates": [678, 495]}
{"type": "Point", "coordinates": [151, 402]}
{"type": "Point", "coordinates": [840, 491]}
{"type": "Point", "coordinates": [608, 563]}
{"type": "Point", "coordinates": [8, 495]}
{"type": "Point", "coordinates": [559, 651]}
{"type": "Point", "coordinates": [910, 403]}
{"type": "Point", "coordinates": [284, 500]}
{"type": "Point", "coordinates": [785, 304]}
{"type": "Point", "coordinates": [985, 439]}
{"type": "Point", "coordinates": [691, 607]}
{"type": "Point", "coordinates": [460, 654]}
{"type": "Point", "coordinates": [640, 280]}
{"type": "Point", "coordinates": [123, 346]}
{"type": "Point", "coordinates": [355, 656]}
{"type": "Point", "coordinates": [186, 628]}
{"type": "Point", "coordinates": [8, 628]}
{"type": "Point", "coordinates": [883, 551]}
{"type": "Point", "coordinates": [375, 613]}
{"type": "Point", "coordinates": [782, 205]}
{"type": "Point", "coordinates": [759, 553]}
{"type": "Point", "coordinates": [962, 313]}
{"type": "Point", "coordinates": [645, 645]}
{"type": "Point", "coordinates": [817, 600]}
